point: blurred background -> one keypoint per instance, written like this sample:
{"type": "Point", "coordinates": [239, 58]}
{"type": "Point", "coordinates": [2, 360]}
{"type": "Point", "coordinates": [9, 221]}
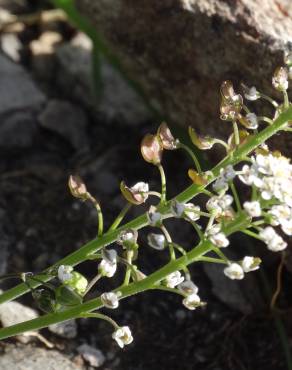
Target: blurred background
{"type": "Point", "coordinates": [80, 84]}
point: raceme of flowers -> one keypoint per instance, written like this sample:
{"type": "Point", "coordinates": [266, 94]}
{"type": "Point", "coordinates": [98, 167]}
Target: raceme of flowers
{"type": "Point", "coordinates": [267, 210]}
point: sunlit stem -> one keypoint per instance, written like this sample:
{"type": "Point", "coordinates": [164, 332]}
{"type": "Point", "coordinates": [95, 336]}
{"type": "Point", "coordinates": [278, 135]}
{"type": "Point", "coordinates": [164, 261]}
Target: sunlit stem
{"type": "Point", "coordinates": [265, 119]}
{"type": "Point", "coordinates": [252, 234]}
{"type": "Point", "coordinates": [211, 259]}
{"type": "Point", "coordinates": [211, 221]}
{"type": "Point", "coordinates": [198, 230]}
{"type": "Point", "coordinates": [120, 217]}
{"type": "Point", "coordinates": [220, 254]}
{"type": "Point", "coordinates": [167, 289]}
{"type": "Point", "coordinates": [270, 100]}
{"type": "Point", "coordinates": [169, 242]}
{"type": "Point", "coordinates": [154, 193]}
{"type": "Point", "coordinates": [193, 156]}
{"type": "Point", "coordinates": [286, 99]}
{"type": "Point", "coordinates": [235, 195]}
{"type": "Point", "coordinates": [163, 184]}
{"type": "Point", "coordinates": [129, 258]}
{"type": "Point", "coordinates": [92, 283]}
{"type": "Point", "coordinates": [99, 214]}
{"type": "Point", "coordinates": [236, 133]}
{"type": "Point", "coordinates": [100, 316]}
{"type": "Point", "coordinates": [221, 142]}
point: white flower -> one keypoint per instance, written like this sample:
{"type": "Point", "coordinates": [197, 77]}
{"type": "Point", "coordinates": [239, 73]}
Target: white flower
{"type": "Point", "coordinates": [253, 209]}
{"type": "Point", "coordinates": [280, 79]}
{"type": "Point", "coordinates": [188, 287]}
{"type": "Point", "coordinates": [250, 263]}
{"type": "Point", "coordinates": [110, 299]}
{"type": "Point", "coordinates": [248, 175]}
{"type": "Point", "coordinates": [64, 273]}
{"type": "Point", "coordinates": [218, 204]}
{"type": "Point", "coordinates": [156, 241]}
{"type": "Point", "coordinates": [234, 271]}
{"type": "Point", "coordinates": [192, 301]}
{"type": "Point", "coordinates": [228, 173]}
{"type": "Point", "coordinates": [192, 212]}
{"type": "Point", "coordinates": [110, 255]}
{"type": "Point", "coordinates": [174, 279]}
{"type": "Point", "coordinates": [273, 240]}
{"type": "Point", "coordinates": [177, 209]}
{"type": "Point", "coordinates": [123, 336]}
{"type": "Point", "coordinates": [282, 215]}
{"type": "Point", "coordinates": [252, 121]}
{"type": "Point", "coordinates": [251, 93]}
{"type": "Point", "coordinates": [154, 217]}
{"type": "Point", "coordinates": [220, 185]}
{"type": "Point", "coordinates": [217, 237]}
{"type": "Point", "coordinates": [107, 269]}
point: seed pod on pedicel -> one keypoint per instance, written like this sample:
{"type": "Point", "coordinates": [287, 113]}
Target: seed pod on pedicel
{"type": "Point", "coordinates": [45, 299]}
{"type": "Point", "coordinates": [227, 90]}
{"type": "Point", "coordinates": [78, 283]}
{"type": "Point", "coordinates": [201, 142]}
{"type": "Point", "coordinates": [167, 140]}
{"type": "Point", "coordinates": [66, 296]}
{"type": "Point", "coordinates": [196, 177]}
{"type": "Point", "coordinates": [151, 149]}
{"type": "Point", "coordinates": [77, 187]}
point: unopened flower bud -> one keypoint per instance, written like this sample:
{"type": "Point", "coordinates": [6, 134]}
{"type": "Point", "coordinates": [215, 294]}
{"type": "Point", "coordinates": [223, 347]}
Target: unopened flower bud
{"type": "Point", "coordinates": [250, 121]}
{"type": "Point", "coordinates": [201, 142]}
{"type": "Point", "coordinates": [253, 209]}
{"type": "Point", "coordinates": [136, 194]}
{"type": "Point", "coordinates": [177, 209]}
{"type": "Point", "coordinates": [128, 238]}
{"type": "Point", "coordinates": [234, 271]}
{"type": "Point", "coordinates": [110, 300]}
{"type": "Point", "coordinates": [188, 287]}
{"type": "Point", "coordinates": [250, 93]}
{"type": "Point", "coordinates": [156, 241]}
{"type": "Point", "coordinates": [65, 273]}
{"type": "Point", "coordinates": [109, 255]}
{"type": "Point", "coordinates": [280, 79]}
{"type": "Point", "coordinates": [193, 301]}
{"type": "Point", "coordinates": [151, 149]}
{"type": "Point", "coordinates": [77, 187]}
{"type": "Point", "coordinates": [154, 217]}
{"type": "Point", "coordinates": [191, 212]}
{"type": "Point", "coordinates": [167, 140]}
{"type": "Point", "coordinates": [77, 282]}
{"type": "Point", "coordinates": [250, 263]}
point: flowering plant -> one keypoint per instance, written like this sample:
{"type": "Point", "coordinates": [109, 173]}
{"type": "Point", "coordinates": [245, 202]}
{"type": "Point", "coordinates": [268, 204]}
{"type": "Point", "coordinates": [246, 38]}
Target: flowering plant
{"type": "Point", "coordinates": [248, 160]}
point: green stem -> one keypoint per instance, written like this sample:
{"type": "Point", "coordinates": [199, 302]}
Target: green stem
{"type": "Point", "coordinates": [286, 99]}
{"type": "Point", "coordinates": [100, 316]}
{"type": "Point", "coordinates": [236, 133]}
{"type": "Point", "coordinates": [92, 283]}
{"type": "Point", "coordinates": [134, 288]}
{"type": "Point", "coordinates": [130, 254]}
{"type": "Point", "coordinates": [252, 234]}
{"type": "Point", "coordinates": [193, 156]}
{"type": "Point", "coordinates": [211, 260]}
{"type": "Point", "coordinates": [120, 217]}
{"type": "Point", "coordinates": [99, 214]}
{"type": "Point", "coordinates": [270, 100]}
{"type": "Point", "coordinates": [188, 194]}
{"type": "Point", "coordinates": [235, 195]}
{"type": "Point", "coordinates": [163, 184]}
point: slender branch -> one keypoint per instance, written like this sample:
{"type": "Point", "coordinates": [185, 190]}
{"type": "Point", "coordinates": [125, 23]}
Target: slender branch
{"type": "Point", "coordinates": [120, 217]}
{"type": "Point", "coordinates": [192, 155]}
{"type": "Point", "coordinates": [163, 184]}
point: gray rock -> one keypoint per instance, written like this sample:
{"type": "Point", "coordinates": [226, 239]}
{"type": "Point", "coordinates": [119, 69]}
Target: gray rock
{"type": "Point", "coordinates": [17, 90]}
{"type": "Point", "coordinates": [31, 358]}
{"type": "Point", "coordinates": [116, 99]}
{"type": "Point", "coordinates": [179, 51]}
{"type": "Point", "coordinates": [67, 120]}
{"type": "Point", "coordinates": [17, 130]}
{"type": "Point", "coordinates": [11, 46]}
{"type": "Point", "coordinates": [91, 355]}
{"type": "Point", "coordinates": [66, 329]}
{"type": "Point", "coordinates": [14, 312]}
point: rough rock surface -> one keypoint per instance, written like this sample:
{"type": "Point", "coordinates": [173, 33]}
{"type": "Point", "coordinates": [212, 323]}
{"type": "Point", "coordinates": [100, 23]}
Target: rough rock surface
{"type": "Point", "coordinates": [24, 358]}
{"type": "Point", "coordinates": [180, 50]}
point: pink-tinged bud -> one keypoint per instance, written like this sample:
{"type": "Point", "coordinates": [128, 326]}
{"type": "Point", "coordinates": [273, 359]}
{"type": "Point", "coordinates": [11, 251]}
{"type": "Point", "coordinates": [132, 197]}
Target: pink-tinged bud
{"type": "Point", "coordinates": [280, 79]}
{"type": "Point", "coordinates": [77, 187]}
{"type": "Point", "coordinates": [167, 140]}
{"type": "Point", "coordinates": [151, 149]}
{"type": "Point", "coordinates": [201, 142]}
{"type": "Point", "coordinates": [230, 109]}
{"type": "Point", "coordinates": [196, 178]}
{"type": "Point", "coordinates": [136, 194]}
{"type": "Point", "coordinates": [227, 90]}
